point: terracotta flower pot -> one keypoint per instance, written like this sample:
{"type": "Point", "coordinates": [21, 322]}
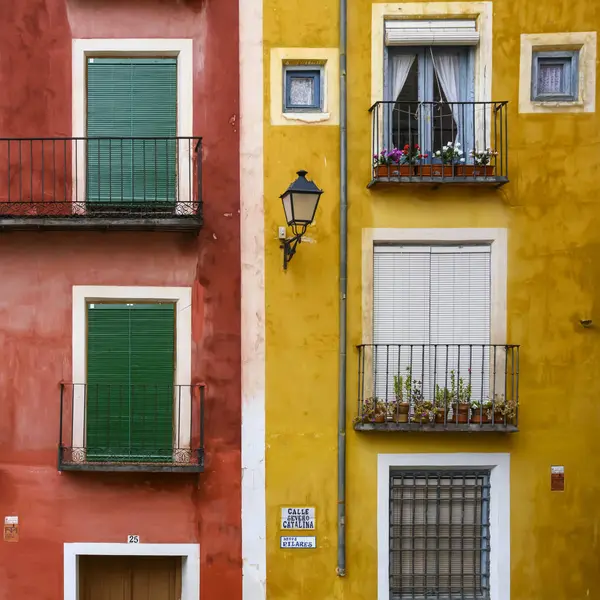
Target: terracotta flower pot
{"type": "Point", "coordinates": [498, 418]}
{"type": "Point", "coordinates": [436, 170]}
{"type": "Point", "coordinates": [440, 415]}
{"type": "Point", "coordinates": [475, 170]}
{"type": "Point", "coordinates": [394, 170]}
{"type": "Point", "coordinates": [478, 419]}
{"type": "Point", "coordinates": [379, 418]}
{"type": "Point", "coordinates": [401, 415]}
{"type": "Point", "coordinates": [462, 413]}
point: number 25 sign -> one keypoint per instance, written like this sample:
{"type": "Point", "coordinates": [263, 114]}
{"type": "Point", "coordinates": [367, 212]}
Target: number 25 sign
{"type": "Point", "coordinates": [133, 539]}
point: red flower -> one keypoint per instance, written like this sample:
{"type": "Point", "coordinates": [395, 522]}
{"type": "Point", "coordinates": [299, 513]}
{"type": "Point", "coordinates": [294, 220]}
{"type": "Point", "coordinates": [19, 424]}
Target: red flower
{"type": "Point", "coordinates": [407, 147]}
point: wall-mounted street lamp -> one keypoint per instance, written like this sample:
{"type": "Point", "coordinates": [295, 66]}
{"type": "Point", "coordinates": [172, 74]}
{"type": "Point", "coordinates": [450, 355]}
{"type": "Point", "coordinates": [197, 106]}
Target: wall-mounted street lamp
{"type": "Point", "coordinates": [300, 203]}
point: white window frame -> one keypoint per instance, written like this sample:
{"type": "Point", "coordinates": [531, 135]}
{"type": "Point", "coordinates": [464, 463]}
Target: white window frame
{"type": "Point", "coordinates": [182, 297]}
{"type": "Point", "coordinates": [189, 553]}
{"type": "Point", "coordinates": [499, 465]}
{"type": "Point", "coordinates": [182, 50]}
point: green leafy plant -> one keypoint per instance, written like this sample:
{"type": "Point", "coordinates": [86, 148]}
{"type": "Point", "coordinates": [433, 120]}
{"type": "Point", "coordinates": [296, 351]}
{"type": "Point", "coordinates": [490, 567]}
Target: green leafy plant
{"type": "Point", "coordinates": [399, 387]}
{"type": "Point", "coordinates": [460, 393]}
{"type": "Point", "coordinates": [484, 407]}
{"type": "Point", "coordinates": [412, 387]}
{"type": "Point", "coordinates": [424, 411]}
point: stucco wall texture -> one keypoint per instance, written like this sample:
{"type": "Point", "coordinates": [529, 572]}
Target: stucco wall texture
{"type": "Point", "coordinates": [550, 208]}
{"type": "Point", "coordinates": [38, 271]}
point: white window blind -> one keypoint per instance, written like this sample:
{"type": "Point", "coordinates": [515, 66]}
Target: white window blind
{"type": "Point", "coordinates": [432, 295]}
{"type": "Point", "coordinates": [429, 33]}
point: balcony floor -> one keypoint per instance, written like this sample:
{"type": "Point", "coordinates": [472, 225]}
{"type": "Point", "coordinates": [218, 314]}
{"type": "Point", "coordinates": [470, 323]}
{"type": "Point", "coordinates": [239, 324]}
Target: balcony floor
{"type": "Point", "coordinates": [133, 467]}
{"type": "Point", "coordinates": [495, 181]}
{"type": "Point", "coordinates": [437, 427]}
{"type": "Point", "coordinates": [68, 223]}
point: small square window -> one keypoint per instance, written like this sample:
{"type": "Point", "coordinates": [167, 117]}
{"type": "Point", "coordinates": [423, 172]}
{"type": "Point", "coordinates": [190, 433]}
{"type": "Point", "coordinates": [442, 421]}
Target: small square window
{"type": "Point", "coordinates": [302, 91]}
{"type": "Point", "coordinates": [555, 76]}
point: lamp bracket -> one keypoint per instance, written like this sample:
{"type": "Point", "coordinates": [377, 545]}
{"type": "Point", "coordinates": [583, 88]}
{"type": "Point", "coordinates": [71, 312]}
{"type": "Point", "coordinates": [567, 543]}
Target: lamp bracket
{"type": "Point", "coordinates": [289, 246]}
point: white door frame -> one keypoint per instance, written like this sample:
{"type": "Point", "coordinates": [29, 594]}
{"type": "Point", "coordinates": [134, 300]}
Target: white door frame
{"type": "Point", "coordinates": [190, 563]}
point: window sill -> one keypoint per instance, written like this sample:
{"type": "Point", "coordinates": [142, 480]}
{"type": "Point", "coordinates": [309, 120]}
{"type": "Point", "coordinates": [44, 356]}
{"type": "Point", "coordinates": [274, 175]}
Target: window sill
{"type": "Point", "coordinates": [307, 117]}
{"type": "Point", "coordinates": [556, 103]}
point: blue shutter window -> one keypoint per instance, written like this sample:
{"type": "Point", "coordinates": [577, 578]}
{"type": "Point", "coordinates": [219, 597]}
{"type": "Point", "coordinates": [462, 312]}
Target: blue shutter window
{"type": "Point", "coordinates": [302, 90]}
{"type": "Point", "coordinates": [555, 76]}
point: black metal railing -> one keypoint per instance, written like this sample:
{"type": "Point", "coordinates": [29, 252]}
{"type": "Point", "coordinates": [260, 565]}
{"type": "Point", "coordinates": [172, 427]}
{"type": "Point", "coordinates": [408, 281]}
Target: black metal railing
{"type": "Point", "coordinates": [410, 142]}
{"type": "Point", "coordinates": [438, 386]}
{"type": "Point", "coordinates": [101, 177]}
{"type": "Point", "coordinates": [111, 427]}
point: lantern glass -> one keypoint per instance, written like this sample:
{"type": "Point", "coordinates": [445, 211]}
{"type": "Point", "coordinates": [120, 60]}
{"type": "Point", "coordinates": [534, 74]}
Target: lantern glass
{"type": "Point", "coordinates": [300, 201]}
{"type": "Point", "coordinates": [305, 206]}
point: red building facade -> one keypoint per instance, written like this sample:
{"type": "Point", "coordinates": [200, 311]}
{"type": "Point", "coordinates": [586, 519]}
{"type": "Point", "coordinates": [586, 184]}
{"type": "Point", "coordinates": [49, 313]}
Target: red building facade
{"type": "Point", "coordinates": [99, 98]}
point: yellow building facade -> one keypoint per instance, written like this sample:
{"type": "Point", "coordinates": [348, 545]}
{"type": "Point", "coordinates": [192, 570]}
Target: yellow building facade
{"type": "Point", "coordinates": [536, 216]}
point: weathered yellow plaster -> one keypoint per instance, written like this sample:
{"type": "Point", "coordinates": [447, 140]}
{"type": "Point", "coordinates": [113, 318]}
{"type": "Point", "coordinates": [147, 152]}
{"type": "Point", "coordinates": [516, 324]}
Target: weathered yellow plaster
{"type": "Point", "coordinates": [329, 59]}
{"type": "Point", "coordinates": [585, 42]}
{"type": "Point", "coordinates": [552, 217]}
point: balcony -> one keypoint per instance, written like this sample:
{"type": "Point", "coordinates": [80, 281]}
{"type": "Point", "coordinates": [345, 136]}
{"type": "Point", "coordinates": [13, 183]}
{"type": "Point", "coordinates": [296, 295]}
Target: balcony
{"type": "Point", "coordinates": [114, 427]}
{"type": "Point", "coordinates": [150, 183]}
{"type": "Point", "coordinates": [438, 387]}
{"type": "Point", "coordinates": [410, 143]}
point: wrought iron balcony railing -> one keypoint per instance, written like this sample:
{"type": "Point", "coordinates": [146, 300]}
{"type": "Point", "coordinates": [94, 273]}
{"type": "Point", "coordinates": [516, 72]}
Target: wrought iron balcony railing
{"type": "Point", "coordinates": [120, 427]}
{"type": "Point", "coordinates": [433, 387]}
{"type": "Point", "coordinates": [410, 142]}
{"type": "Point", "coordinates": [101, 182]}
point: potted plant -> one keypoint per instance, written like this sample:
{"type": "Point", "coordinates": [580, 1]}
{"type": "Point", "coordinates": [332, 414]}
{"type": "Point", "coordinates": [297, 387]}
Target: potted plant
{"type": "Point", "coordinates": [481, 166]}
{"type": "Point", "coordinates": [498, 409]}
{"type": "Point", "coordinates": [424, 412]}
{"type": "Point", "coordinates": [461, 398]}
{"type": "Point", "coordinates": [412, 155]}
{"type": "Point", "coordinates": [442, 403]}
{"type": "Point", "coordinates": [379, 411]}
{"type": "Point", "coordinates": [505, 411]}
{"type": "Point", "coordinates": [402, 407]}
{"type": "Point", "coordinates": [387, 164]}
{"type": "Point", "coordinates": [481, 411]}
{"type": "Point", "coordinates": [449, 155]}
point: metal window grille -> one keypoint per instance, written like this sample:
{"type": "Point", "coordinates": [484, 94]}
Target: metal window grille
{"type": "Point", "coordinates": [439, 535]}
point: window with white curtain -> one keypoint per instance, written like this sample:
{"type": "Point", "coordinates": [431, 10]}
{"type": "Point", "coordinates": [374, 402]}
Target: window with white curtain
{"type": "Point", "coordinates": [432, 313]}
{"type": "Point", "coordinates": [555, 76]}
{"type": "Point", "coordinates": [431, 90]}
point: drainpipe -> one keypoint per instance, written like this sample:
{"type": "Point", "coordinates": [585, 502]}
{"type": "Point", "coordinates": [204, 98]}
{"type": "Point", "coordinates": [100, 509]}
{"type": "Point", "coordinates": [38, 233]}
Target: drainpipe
{"type": "Point", "coordinates": [341, 498]}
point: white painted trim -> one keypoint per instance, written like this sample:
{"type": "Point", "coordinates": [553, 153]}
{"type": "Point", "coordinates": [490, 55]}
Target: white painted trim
{"type": "Point", "coordinates": [190, 564]}
{"type": "Point", "coordinates": [496, 237]}
{"type": "Point", "coordinates": [182, 296]}
{"type": "Point", "coordinates": [252, 242]}
{"type": "Point", "coordinates": [328, 59]}
{"type": "Point", "coordinates": [585, 43]}
{"type": "Point", "coordinates": [182, 49]}
{"type": "Point", "coordinates": [499, 463]}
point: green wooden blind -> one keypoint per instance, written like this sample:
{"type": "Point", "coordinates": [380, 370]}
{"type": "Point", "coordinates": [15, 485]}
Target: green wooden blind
{"type": "Point", "coordinates": [130, 373]}
{"type": "Point", "coordinates": [131, 97]}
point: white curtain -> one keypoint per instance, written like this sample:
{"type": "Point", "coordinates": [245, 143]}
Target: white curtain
{"type": "Point", "coordinates": [401, 65]}
{"type": "Point", "coordinates": [447, 70]}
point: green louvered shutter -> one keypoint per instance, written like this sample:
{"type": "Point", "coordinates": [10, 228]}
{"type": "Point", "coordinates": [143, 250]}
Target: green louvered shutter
{"type": "Point", "coordinates": [130, 392]}
{"type": "Point", "coordinates": [135, 97]}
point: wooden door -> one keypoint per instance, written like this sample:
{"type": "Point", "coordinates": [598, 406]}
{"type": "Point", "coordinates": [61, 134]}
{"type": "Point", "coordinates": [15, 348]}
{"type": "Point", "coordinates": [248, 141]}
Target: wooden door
{"type": "Point", "coordinates": [129, 578]}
